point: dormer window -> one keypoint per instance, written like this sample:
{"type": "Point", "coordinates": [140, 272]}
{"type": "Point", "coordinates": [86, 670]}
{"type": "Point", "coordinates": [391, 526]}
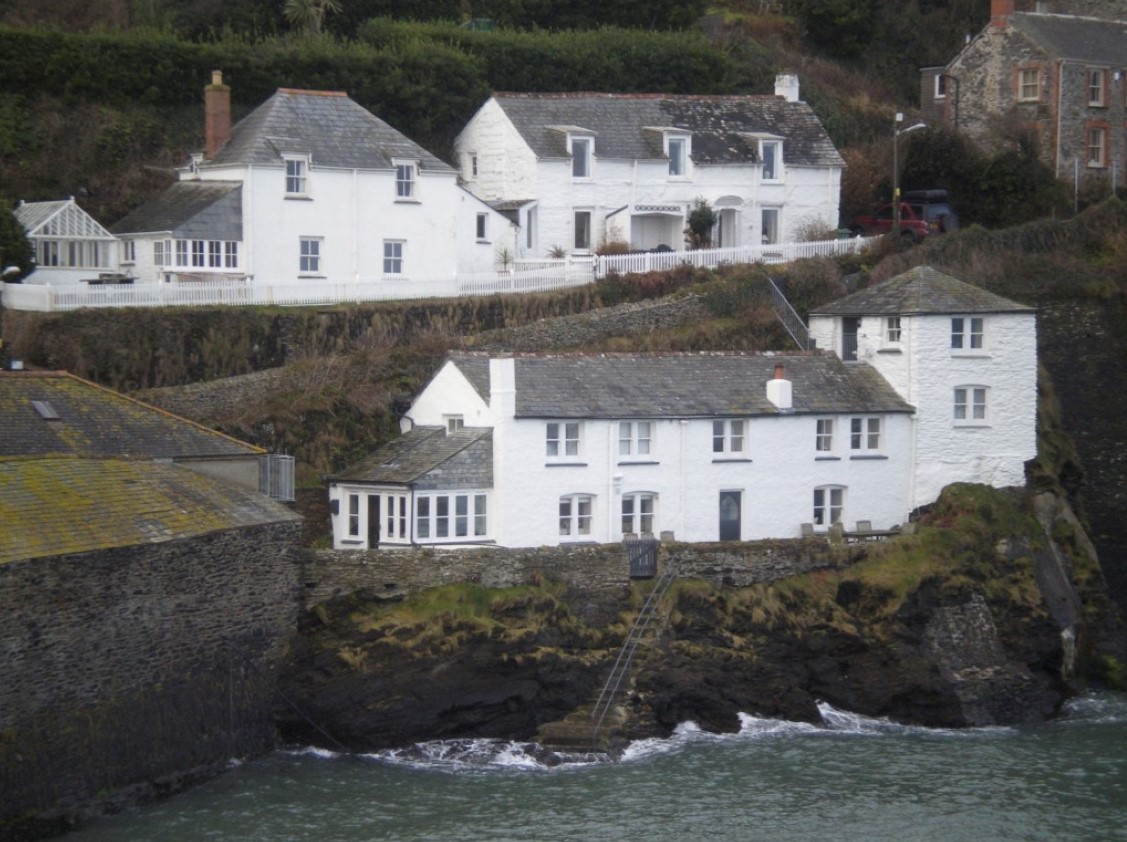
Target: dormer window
{"type": "Point", "coordinates": [297, 176]}
{"type": "Point", "coordinates": [678, 151]}
{"type": "Point", "coordinates": [406, 173]}
{"type": "Point", "coordinates": [771, 154]}
{"type": "Point", "coordinates": [581, 152]}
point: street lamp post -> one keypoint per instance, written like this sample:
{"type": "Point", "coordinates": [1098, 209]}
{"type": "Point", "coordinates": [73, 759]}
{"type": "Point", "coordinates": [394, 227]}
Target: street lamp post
{"type": "Point", "coordinates": [896, 132]}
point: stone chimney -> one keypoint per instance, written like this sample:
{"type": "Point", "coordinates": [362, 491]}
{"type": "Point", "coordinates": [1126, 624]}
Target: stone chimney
{"type": "Point", "coordinates": [786, 86]}
{"type": "Point", "coordinates": [1000, 11]}
{"type": "Point", "coordinates": [217, 114]}
{"type": "Point", "coordinates": [779, 389]}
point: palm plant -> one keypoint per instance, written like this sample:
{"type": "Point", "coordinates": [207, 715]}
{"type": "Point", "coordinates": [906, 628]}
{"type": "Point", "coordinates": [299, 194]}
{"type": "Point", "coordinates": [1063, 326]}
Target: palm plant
{"type": "Point", "coordinates": [309, 14]}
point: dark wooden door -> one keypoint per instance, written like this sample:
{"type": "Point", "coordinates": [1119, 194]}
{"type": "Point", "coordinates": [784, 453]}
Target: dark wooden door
{"type": "Point", "coordinates": [373, 521]}
{"type": "Point", "coordinates": [730, 515]}
{"type": "Point", "coordinates": [849, 327]}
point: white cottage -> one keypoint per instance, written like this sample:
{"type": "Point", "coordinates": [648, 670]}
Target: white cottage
{"type": "Point", "coordinates": [577, 171]}
{"type": "Point", "coordinates": [70, 246]}
{"type": "Point", "coordinates": [310, 187]}
{"type": "Point", "coordinates": [927, 381]}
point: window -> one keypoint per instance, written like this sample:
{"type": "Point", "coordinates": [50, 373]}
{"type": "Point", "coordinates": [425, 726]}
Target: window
{"type": "Point", "coordinates": [824, 437]}
{"type": "Point", "coordinates": [214, 254]}
{"type": "Point", "coordinates": [473, 166]}
{"type": "Point", "coordinates": [354, 514]}
{"type": "Point", "coordinates": [770, 222]}
{"type": "Point", "coordinates": [231, 255]}
{"type": "Point", "coordinates": [635, 438]}
{"type": "Point", "coordinates": [310, 262]}
{"type": "Point", "coordinates": [454, 423]}
{"type": "Point", "coordinates": [864, 434]}
{"type": "Point", "coordinates": [770, 152]}
{"type": "Point", "coordinates": [581, 157]}
{"type": "Point", "coordinates": [970, 404]}
{"type": "Point", "coordinates": [940, 86]}
{"type": "Point", "coordinates": [1029, 84]}
{"type": "Point", "coordinates": [677, 156]}
{"type": "Point", "coordinates": [295, 176]}
{"type": "Point", "coordinates": [404, 181]}
{"type": "Point", "coordinates": [422, 517]}
{"type": "Point", "coordinates": [562, 439]}
{"type": "Point", "coordinates": [1097, 146]}
{"type": "Point", "coordinates": [892, 329]}
{"type": "Point", "coordinates": [197, 252]}
{"type": "Point", "coordinates": [441, 517]}
{"type": "Point", "coordinates": [728, 436]}
{"type": "Point", "coordinates": [966, 333]}
{"type": "Point", "coordinates": [162, 253]}
{"type": "Point", "coordinates": [482, 229]}
{"type": "Point", "coordinates": [583, 230]}
{"type": "Point", "coordinates": [1097, 87]}
{"type": "Point", "coordinates": [392, 257]}
{"type": "Point", "coordinates": [451, 516]}
{"type": "Point", "coordinates": [638, 513]}
{"type": "Point", "coordinates": [480, 516]}
{"type": "Point", "coordinates": [829, 502]}
{"type": "Point", "coordinates": [575, 514]}
{"type": "Point", "coordinates": [128, 251]}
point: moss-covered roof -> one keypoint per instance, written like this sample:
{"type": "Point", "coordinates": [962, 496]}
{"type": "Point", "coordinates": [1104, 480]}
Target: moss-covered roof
{"type": "Point", "coordinates": [58, 414]}
{"type": "Point", "coordinates": [62, 506]}
{"type": "Point", "coordinates": [922, 290]}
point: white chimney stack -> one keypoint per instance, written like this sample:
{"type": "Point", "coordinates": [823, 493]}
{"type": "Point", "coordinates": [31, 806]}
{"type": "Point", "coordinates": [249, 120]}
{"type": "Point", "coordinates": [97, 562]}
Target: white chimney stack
{"type": "Point", "coordinates": [779, 390]}
{"type": "Point", "coordinates": [786, 86]}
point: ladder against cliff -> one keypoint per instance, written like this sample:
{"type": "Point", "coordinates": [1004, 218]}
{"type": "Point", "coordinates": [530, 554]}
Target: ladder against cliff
{"type": "Point", "coordinates": [643, 556]}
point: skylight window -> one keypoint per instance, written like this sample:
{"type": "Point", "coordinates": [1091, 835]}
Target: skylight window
{"type": "Point", "coordinates": [46, 411]}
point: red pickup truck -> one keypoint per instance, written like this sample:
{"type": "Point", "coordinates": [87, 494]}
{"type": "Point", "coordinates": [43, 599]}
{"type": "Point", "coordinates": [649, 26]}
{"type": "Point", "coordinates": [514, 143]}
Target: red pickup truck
{"type": "Point", "coordinates": [922, 212]}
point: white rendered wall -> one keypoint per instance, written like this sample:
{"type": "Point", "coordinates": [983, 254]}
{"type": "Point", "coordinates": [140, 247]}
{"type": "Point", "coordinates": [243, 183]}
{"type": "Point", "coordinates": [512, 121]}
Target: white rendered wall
{"type": "Point", "coordinates": [506, 167]}
{"type": "Point", "coordinates": [448, 393]}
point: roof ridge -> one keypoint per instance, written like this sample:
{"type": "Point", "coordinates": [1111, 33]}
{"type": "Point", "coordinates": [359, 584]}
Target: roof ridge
{"type": "Point", "coordinates": [306, 92]}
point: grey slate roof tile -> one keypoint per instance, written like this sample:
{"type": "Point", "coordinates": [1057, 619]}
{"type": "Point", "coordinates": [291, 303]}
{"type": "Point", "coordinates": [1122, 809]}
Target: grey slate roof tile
{"type": "Point", "coordinates": [920, 291]}
{"type": "Point", "coordinates": [622, 124]}
{"type": "Point", "coordinates": [706, 385]}
{"type": "Point", "coordinates": [412, 455]}
{"type": "Point", "coordinates": [333, 129]}
{"type": "Point", "coordinates": [211, 210]}
{"type": "Point", "coordinates": [94, 422]}
{"type": "Point", "coordinates": [1083, 39]}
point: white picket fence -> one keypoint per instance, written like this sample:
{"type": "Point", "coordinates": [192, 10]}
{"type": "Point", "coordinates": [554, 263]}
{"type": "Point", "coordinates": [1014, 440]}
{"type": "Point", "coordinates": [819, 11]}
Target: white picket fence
{"type": "Point", "coordinates": [538, 275]}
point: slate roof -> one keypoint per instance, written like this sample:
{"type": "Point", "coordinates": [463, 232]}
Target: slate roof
{"type": "Point", "coordinates": [627, 126]}
{"type": "Point", "coordinates": [94, 422]}
{"type": "Point", "coordinates": [706, 385]}
{"type": "Point", "coordinates": [209, 210]}
{"type": "Point", "coordinates": [62, 506]}
{"type": "Point", "coordinates": [1080, 38]}
{"type": "Point", "coordinates": [333, 129]}
{"type": "Point", "coordinates": [920, 291]}
{"type": "Point", "coordinates": [413, 455]}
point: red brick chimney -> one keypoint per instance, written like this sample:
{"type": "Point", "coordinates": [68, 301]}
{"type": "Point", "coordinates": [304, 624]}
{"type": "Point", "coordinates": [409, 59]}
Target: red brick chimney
{"type": "Point", "coordinates": [217, 114]}
{"type": "Point", "coordinates": [1000, 11]}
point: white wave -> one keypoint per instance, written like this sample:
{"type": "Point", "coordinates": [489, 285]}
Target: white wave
{"type": "Point", "coordinates": [481, 755]}
{"type": "Point", "coordinates": [314, 751]}
{"type": "Point", "coordinates": [1105, 708]}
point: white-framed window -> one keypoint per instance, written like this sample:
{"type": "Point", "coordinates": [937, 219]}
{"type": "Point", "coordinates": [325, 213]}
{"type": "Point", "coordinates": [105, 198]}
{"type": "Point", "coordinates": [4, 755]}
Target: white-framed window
{"type": "Point", "coordinates": [562, 439]}
{"type": "Point", "coordinates": [583, 230]}
{"type": "Point", "coordinates": [1097, 146]}
{"type": "Point", "coordinates": [454, 423]}
{"type": "Point", "coordinates": [309, 255]}
{"type": "Point", "coordinates": [1029, 84]}
{"type": "Point", "coordinates": [297, 176]}
{"type": "Point", "coordinates": [198, 253]}
{"type": "Point", "coordinates": [395, 515]}
{"type": "Point", "coordinates": [393, 257]}
{"type": "Point", "coordinates": [353, 515]}
{"type": "Point", "coordinates": [892, 330]}
{"type": "Point", "coordinates": [635, 438]}
{"type": "Point", "coordinates": [771, 154]}
{"type": "Point", "coordinates": [678, 150]}
{"type": "Point", "coordinates": [214, 254]}
{"type": "Point", "coordinates": [230, 254]}
{"type": "Point", "coordinates": [473, 165]}
{"type": "Point", "coordinates": [581, 157]}
{"type": "Point", "coordinates": [728, 435]}
{"type": "Point", "coordinates": [940, 86]}
{"type": "Point", "coordinates": [181, 253]}
{"type": "Point", "coordinates": [128, 251]}
{"type": "Point", "coordinates": [970, 407]}
{"type": "Point", "coordinates": [864, 434]}
{"type": "Point", "coordinates": [638, 512]}
{"type": "Point", "coordinates": [405, 177]}
{"type": "Point", "coordinates": [162, 252]}
{"type": "Point", "coordinates": [1097, 87]}
{"type": "Point", "coordinates": [769, 218]}
{"type": "Point", "coordinates": [967, 333]}
{"type": "Point", "coordinates": [451, 516]}
{"type": "Point", "coordinates": [824, 436]}
{"type": "Point", "coordinates": [829, 505]}
{"type": "Point", "coordinates": [481, 230]}
{"type": "Point", "coordinates": [575, 515]}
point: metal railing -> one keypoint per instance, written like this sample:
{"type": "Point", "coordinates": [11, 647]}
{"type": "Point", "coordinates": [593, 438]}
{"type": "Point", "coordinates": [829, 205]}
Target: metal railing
{"type": "Point", "coordinates": [623, 264]}
{"type": "Point", "coordinates": [276, 477]}
{"type": "Point", "coordinates": [790, 319]}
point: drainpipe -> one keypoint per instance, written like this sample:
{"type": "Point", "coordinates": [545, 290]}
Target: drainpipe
{"type": "Point", "coordinates": [1060, 108]}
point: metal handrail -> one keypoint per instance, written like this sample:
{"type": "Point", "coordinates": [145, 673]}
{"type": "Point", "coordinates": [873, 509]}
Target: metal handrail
{"type": "Point", "coordinates": [790, 319]}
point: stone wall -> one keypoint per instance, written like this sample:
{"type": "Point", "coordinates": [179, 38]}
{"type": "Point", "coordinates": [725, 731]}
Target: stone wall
{"type": "Point", "coordinates": [130, 670]}
{"type": "Point", "coordinates": [326, 574]}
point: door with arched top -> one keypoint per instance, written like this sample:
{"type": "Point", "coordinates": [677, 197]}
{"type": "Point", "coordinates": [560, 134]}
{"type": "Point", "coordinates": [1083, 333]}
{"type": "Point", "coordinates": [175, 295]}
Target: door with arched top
{"type": "Point", "coordinates": [730, 515]}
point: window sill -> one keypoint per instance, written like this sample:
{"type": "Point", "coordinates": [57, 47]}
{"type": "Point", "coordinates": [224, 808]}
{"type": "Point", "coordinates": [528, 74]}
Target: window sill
{"type": "Point", "coordinates": [1094, 166]}
{"type": "Point", "coordinates": [970, 355]}
{"type": "Point", "coordinates": [565, 464]}
{"type": "Point", "coordinates": [827, 458]}
{"type": "Point", "coordinates": [311, 276]}
{"type": "Point", "coordinates": [482, 242]}
{"type": "Point", "coordinates": [863, 457]}
{"type": "Point", "coordinates": [298, 197]}
{"type": "Point", "coordinates": [971, 425]}
{"type": "Point", "coordinates": [641, 462]}
{"type": "Point", "coordinates": [890, 351]}
{"type": "Point", "coordinates": [353, 543]}
{"type": "Point", "coordinates": [407, 200]}
{"type": "Point", "coordinates": [734, 459]}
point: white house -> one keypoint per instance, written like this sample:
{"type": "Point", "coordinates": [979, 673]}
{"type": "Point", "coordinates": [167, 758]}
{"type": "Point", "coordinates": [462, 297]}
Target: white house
{"type": "Point", "coordinates": [70, 246]}
{"type": "Point", "coordinates": [310, 186]}
{"type": "Point", "coordinates": [926, 380]}
{"type": "Point", "coordinates": [580, 170]}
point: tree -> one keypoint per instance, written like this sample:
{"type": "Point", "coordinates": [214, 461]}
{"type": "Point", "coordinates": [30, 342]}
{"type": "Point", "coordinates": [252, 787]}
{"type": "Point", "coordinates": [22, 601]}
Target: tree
{"type": "Point", "coordinates": [309, 14]}
{"type": "Point", "coordinates": [15, 249]}
{"type": "Point", "coordinates": [702, 219]}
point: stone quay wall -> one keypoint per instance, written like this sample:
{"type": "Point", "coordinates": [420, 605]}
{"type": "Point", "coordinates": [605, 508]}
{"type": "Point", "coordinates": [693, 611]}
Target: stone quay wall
{"type": "Point", "coordinates": [129, 671]}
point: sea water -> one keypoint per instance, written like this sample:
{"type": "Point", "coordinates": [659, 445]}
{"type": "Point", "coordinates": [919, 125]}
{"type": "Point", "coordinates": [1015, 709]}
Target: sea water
{"type": "Point", "coordinates": [851, 778]}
